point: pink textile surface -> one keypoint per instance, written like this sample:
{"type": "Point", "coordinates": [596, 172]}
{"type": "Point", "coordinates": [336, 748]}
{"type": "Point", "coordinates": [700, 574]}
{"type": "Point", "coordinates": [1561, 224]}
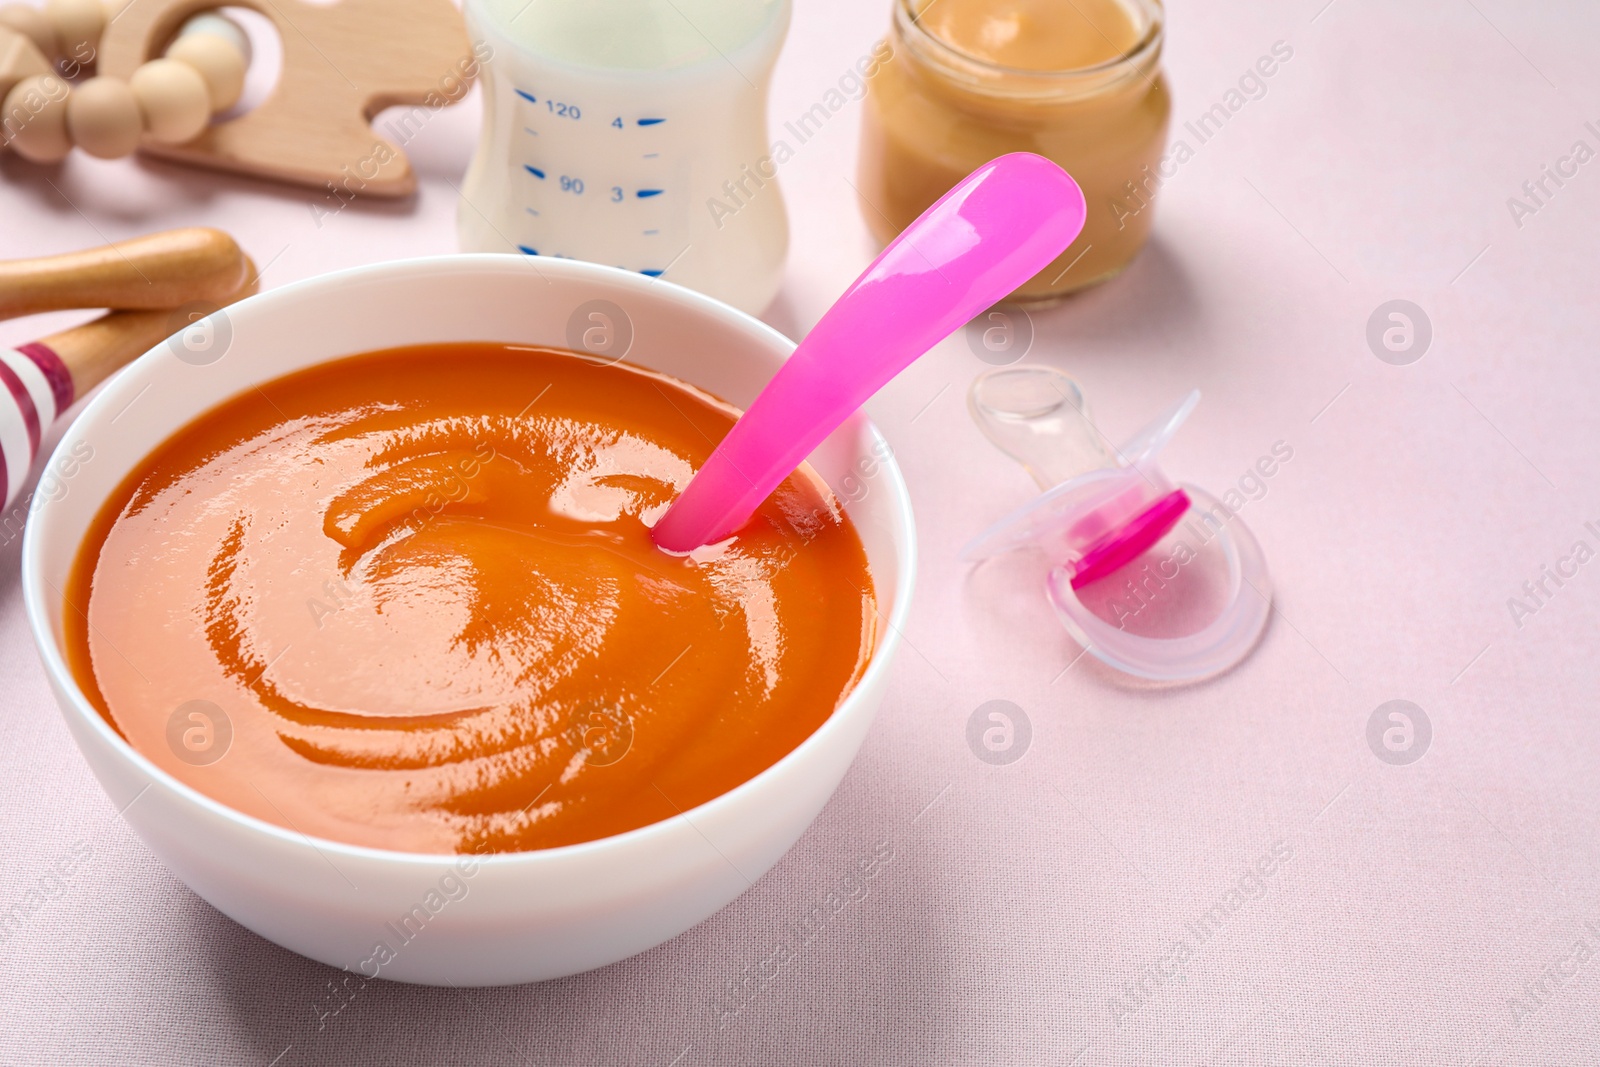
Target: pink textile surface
{"type": "Point", "coordinates": [1221, 874]}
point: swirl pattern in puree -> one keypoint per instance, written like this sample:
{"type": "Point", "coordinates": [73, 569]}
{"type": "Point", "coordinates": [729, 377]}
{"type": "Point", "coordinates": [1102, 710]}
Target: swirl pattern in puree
{"type": "Point", "coordinates": [419, 585]}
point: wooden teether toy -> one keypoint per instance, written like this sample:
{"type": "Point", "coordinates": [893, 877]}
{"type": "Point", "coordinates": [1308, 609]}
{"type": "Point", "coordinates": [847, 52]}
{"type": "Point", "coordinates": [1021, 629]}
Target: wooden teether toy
{"type": "Point", "coordinates": [167, 101]}
{"type": "Point", "coordinates": [199, 270]}
{"type": "Point", "coordinates": [168, 68]}
{"type": "Point", "coordinates": [343, 62]}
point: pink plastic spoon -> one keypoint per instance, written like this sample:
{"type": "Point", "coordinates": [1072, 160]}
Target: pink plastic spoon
{"type": "Point", "coordinates": [988, 235]}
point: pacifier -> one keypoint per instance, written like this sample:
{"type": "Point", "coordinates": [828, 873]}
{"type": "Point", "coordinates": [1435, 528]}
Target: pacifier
{"type": "Point", "coordinates": [1159, 580]}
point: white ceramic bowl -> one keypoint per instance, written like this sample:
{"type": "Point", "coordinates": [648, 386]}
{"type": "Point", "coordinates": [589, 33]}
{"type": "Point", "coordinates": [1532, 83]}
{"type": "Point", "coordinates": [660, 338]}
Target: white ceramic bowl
{"type": "Point", "coordinates": [506, 918]}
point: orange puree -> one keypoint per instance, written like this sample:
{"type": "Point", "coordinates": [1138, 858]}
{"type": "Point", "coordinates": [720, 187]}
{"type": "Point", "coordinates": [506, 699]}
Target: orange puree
{"type": "Point", "coordinates": [1076, 81]}
{"type": "Point", "coordinates": [1041, 35]}
{"type": "Point", "coordinates": [417, 588]}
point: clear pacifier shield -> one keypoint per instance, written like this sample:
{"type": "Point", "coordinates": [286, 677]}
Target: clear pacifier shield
{"type": "Point", "coordinates": [1193, 606]}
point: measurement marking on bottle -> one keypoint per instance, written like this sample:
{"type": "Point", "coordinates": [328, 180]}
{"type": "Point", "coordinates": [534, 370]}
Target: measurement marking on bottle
{"type": "Point", "coordinates": [530, 129]}
{"type": "Point", "coordinates": [651, 122]}
{"type": "Point", "coordinates": [651, 233]}
{"type": "Point", "coordinates": [529, 97]}
{"type": "Point", "coordinates": [651, 155]}
{"type": "Point", "coordinates": [535, 171]}
{"type": "Point", "coordinates": [532, 212]}
{"type": "Point", "coordinates": [645, 194]}
{"type": "Point", "coordinates": [525, 250]}
{"type": "Point", "coordinates": [653, 273]}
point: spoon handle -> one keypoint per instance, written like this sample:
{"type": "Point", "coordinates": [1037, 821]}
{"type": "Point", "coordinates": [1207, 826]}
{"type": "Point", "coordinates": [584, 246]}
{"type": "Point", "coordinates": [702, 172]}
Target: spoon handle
{"type": "Point", "coordinates": [999, 227]}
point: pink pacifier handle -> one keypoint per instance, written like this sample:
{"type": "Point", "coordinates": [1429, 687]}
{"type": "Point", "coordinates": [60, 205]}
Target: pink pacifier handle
{"type": "Point", "coordinates": [1130, 541]}
{"type": "Point", "coordinates": [999, 227]}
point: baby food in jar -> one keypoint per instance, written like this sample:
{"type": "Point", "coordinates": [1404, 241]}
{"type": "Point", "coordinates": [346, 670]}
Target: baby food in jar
{"type": "Point", "coordinates": [1077, 82]}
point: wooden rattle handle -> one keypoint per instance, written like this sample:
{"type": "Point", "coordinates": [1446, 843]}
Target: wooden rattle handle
{"type": "Point", "coordinates": [161, 270]}
{"type": "Point", "coordinates": [40, 381]}
{"type": "Point", "coordinates": [97, 349]}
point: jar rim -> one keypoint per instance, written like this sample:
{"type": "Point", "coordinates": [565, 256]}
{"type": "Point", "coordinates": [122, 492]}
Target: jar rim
{"type": "Point", "coordinates": [974, 70]}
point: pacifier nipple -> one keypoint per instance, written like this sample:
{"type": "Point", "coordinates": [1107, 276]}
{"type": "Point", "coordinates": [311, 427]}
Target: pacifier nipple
{"type": "Point", "coordinates": [1038, 417]}
{"type": "Point", "coordinates": [1109, 519]}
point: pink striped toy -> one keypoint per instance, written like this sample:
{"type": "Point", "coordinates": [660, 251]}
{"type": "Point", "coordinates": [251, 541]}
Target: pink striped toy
{"type": "Point", "coordinates": [160, 285]}
{"type": "Point", "coordinates": [37, 388]}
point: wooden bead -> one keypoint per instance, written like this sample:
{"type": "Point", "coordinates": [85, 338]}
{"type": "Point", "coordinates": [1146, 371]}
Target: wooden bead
{"type": "Point", "coordinates": [173, 99]}
{"type": "Point", "coordinates": [31, 23]}
{"type": "Point", "coordinates": [19, 59]}
{"type": "Point", "coordinates": [36, 119]}
{"type": "Point", "coordinates": [219, 63]}
{"type": "Point", "coordinates": [103, 118]}
{"type": "Point", "coordinates": [219, 25]}
{"type": "Point", "coordinates": [78, 25]}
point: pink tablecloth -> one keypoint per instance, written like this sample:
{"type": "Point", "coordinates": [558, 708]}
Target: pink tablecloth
{"type": "Point", "coordinates": [1099, 901]}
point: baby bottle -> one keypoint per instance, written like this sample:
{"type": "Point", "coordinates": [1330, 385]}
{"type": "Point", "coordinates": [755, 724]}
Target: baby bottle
{"type": "Point", "coordinates": [631, 133]}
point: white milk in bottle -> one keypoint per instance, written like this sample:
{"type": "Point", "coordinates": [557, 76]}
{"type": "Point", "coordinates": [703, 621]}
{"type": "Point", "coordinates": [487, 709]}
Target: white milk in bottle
{"type": "Point", "coordinates": [612, 132]}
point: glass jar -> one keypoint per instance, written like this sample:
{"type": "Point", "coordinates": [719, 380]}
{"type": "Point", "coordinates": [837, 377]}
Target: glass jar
{"type": "Point", "coordinates": [936, 110]}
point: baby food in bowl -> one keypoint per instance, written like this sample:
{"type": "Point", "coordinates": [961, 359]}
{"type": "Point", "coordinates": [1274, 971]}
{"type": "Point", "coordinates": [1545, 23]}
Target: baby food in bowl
{"type": "Point", "coordinates": [409, 600]}
{"type": "Point", "coordinates": [420, 912]}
